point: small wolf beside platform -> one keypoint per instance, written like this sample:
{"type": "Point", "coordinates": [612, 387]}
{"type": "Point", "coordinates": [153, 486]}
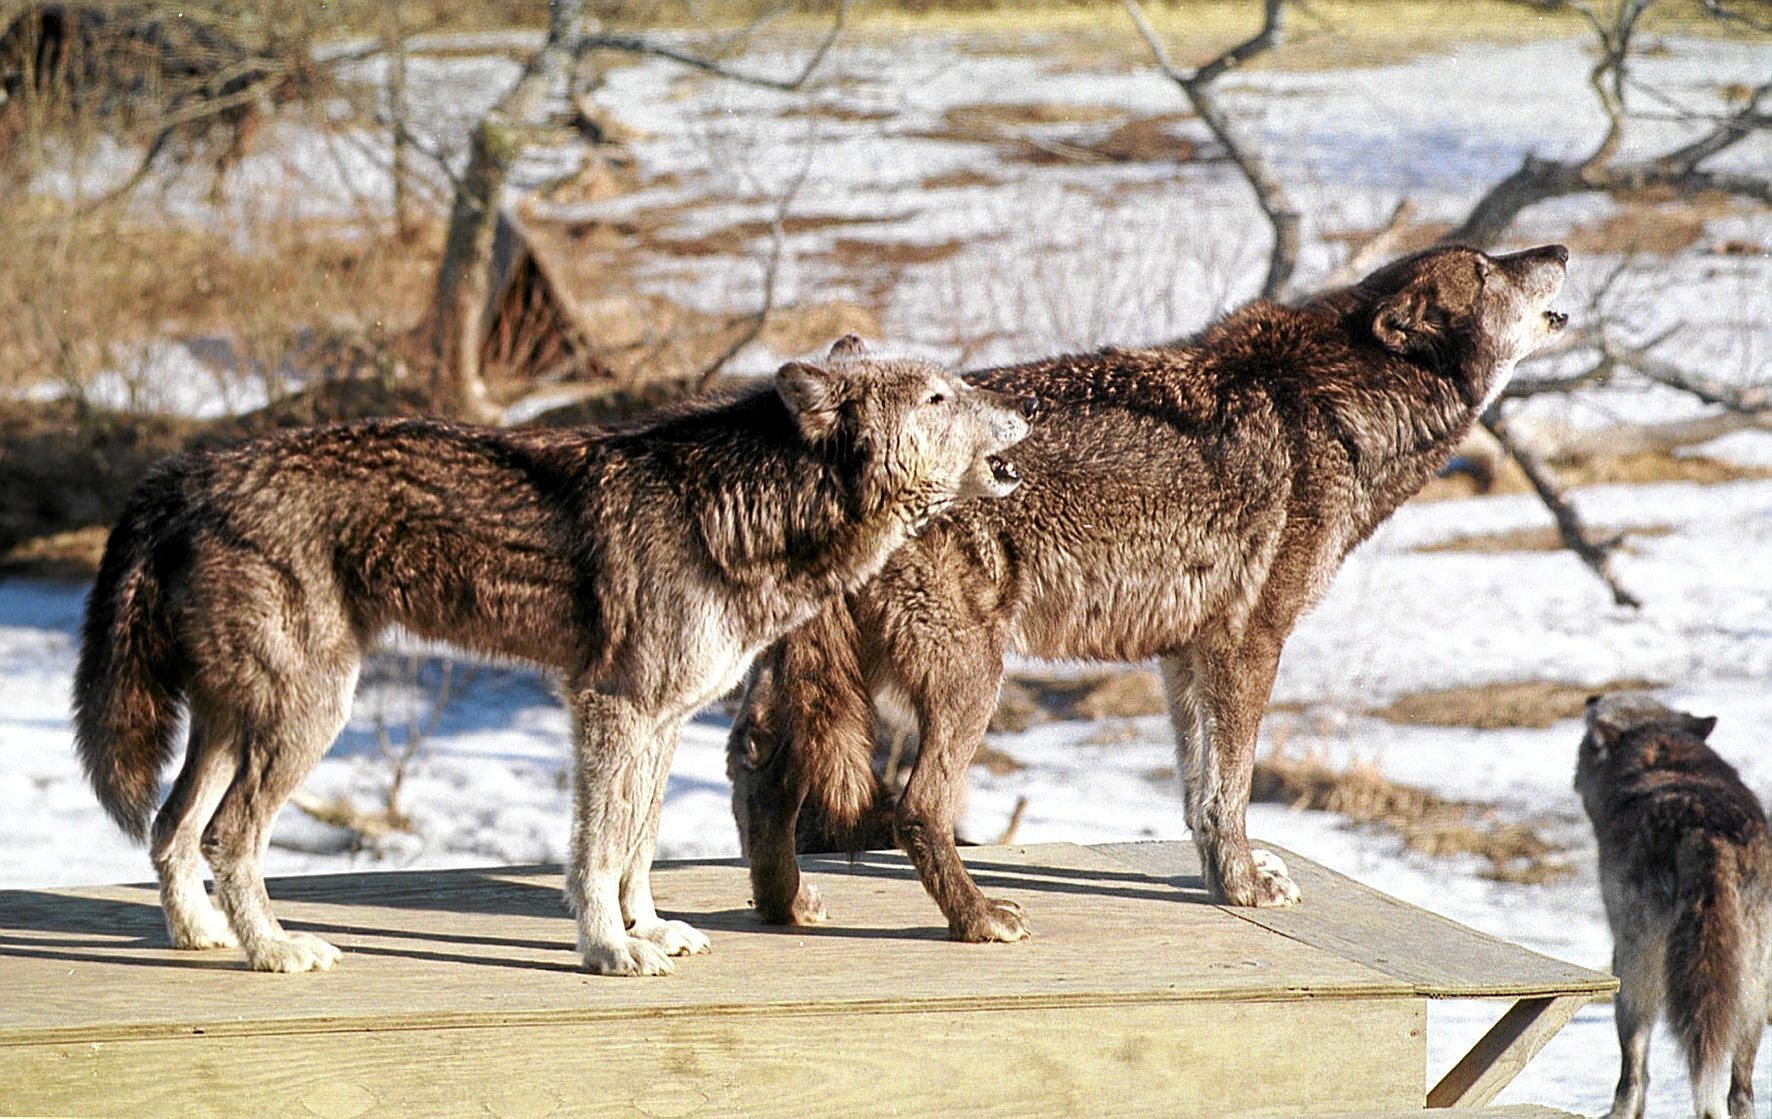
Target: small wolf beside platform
{"type": "Point", "coordinates": [645, 566]}
{"type": "Point", "coordinates": [1686, 874]}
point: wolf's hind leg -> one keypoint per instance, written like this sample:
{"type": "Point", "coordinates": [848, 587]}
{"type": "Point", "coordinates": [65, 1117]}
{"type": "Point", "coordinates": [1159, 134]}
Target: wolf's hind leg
{"type": "Point", "coordinates": [192, 919]}
{"type": "Point", "coordinates": [1638, 963]}
{"type": "Point", "coordinates": [280, 744]}
{"type": "Point", "coordinates": [954, 698]}
{"type": "Point", "coordinates": [611, 773]}
{"type": "Point", "coordinates": [1741, 1072]}
{"type": "Point", "coordinates": [676, 938]}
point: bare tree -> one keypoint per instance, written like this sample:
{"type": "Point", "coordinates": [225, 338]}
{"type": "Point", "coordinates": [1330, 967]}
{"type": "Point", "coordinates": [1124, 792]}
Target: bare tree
{"type": "Point", "coordinates": [1282, 216]}
{"type": "Point", "coordinates": [1686, 169]}
{"type": "Point", "coordinates": [457, 324]}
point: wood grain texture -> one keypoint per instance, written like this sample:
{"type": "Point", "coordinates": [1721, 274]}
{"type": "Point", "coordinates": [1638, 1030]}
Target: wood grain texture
{"type": "Point", "coordinates": [1202, 1059]}
{"type": "Point", "coordinates": [1436, 957]}
{"type": "Point", "coordinates": [460, 990]}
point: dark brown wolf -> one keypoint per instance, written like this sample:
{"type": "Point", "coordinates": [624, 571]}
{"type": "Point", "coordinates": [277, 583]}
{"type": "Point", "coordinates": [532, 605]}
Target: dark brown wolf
{"type": "Point", "coordinates": [646, 567]}
{"type": "Point", "coordinates": [1686, 875]}
{"type": "Point", "coordinates": [1187, 503]}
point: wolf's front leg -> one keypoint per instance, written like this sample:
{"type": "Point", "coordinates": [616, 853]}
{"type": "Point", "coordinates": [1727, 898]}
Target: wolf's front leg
{"type": "Point", "coordinates": [612, 773]}
{"type": "Point", "coordinates": [675, 938]}
{"type": "Point", "coordinates": [1218, 760]}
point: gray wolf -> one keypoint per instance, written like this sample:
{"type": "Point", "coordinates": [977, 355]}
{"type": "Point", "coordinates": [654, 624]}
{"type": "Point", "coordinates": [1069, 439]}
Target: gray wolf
{"type": "Point", "coordinates": [1188, 503]}
{"type": "Point", "coordinates": [644, 566]}
{"type": "Point", "coordinates": [1686, 877]}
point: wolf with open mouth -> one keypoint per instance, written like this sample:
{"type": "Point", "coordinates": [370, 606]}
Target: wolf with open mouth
{"type": "Point", "coordinates": [1185, 502]}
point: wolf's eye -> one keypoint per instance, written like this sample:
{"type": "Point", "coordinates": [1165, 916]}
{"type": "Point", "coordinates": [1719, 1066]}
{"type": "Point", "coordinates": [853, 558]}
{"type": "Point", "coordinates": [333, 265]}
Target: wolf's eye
{"type": "Point", "coordinates": [936, 398]}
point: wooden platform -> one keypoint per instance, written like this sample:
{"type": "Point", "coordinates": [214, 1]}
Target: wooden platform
{"type": "Point", "coordinates": [460, 992]}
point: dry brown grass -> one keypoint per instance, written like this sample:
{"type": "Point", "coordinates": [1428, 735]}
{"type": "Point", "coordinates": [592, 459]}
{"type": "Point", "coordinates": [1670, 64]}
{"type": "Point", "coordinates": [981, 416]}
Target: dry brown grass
{"type": "Point", "coordinates": [1538, 538]}
{"type": "Point", "coordinates": [1626, 470]}
{"type": "Point", "coordinates": [1424, 820]}
{"type": "Point", "coordinates": [1530, 703]}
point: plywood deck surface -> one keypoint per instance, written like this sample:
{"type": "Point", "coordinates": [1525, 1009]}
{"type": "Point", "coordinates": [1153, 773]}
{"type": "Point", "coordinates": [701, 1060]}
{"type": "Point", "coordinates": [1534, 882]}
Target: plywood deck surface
{"type": "Point", "coordinates": [1123, 933]}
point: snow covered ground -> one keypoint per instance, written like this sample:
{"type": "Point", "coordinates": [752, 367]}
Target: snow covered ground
{"type": "Point", "coordinates": [1071, 256]}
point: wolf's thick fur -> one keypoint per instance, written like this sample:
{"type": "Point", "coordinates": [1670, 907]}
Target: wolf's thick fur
{"type": "Point", "coordinates": [1686, 875]}
{"type": "Point", "coordinates": [1187, 502]}
{"type": "Point", "coordinates": [645, 566]}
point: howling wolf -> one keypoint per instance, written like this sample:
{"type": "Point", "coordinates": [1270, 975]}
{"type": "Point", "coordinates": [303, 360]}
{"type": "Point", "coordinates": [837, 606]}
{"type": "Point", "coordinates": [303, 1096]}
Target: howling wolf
{"type": "Point", "coordinates": [1686, 875]}
{"type": "Point", "coordinates": [1187, 502]}
{"type": "Point", "coordinates": [645, 567]}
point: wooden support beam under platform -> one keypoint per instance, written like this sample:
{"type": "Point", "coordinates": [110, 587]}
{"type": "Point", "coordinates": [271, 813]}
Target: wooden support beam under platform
{"type": "Point", "coordinates": [460, 992]}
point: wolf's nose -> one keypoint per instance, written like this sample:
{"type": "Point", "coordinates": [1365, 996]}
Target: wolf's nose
{"type": "Point", "coordinates": [1030, 407]}
{"type": "Point", "coordinates": [1561, 252]}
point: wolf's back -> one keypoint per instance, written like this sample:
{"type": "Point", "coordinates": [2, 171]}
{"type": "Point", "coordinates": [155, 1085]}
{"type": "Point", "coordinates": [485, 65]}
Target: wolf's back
{"type": "Point", "coordinates": [128, 682]}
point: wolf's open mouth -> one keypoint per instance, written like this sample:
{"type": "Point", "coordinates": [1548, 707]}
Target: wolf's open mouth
{"type": "Point", "coordinates": [1002, 469]}
{"type": "Point", "coordinates": [1557, 320]}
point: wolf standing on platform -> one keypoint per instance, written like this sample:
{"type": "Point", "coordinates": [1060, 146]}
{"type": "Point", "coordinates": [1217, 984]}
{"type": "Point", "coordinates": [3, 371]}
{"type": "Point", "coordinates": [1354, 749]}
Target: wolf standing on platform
{"type": "Point", "coordinates": [645, 566]}
{"type": "Point", "coordinates": [1686, 875]}
{"type": "Point", "coordinates": [1186, 502]}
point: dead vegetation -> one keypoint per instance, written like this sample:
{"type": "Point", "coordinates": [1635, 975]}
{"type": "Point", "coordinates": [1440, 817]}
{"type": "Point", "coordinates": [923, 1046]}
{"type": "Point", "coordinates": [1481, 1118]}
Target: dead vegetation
{"type": "Point", "coordinates": [1537, 538]}
{"type": "Point", "coordinates": [1496, 706]}
{"type": "Point", "coordinates": [1425, 821]}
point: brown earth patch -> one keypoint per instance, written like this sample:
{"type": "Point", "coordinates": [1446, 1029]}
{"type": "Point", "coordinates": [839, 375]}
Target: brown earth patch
{"type": "Point", "coordinates": [1538, 538]}
{"type": "Point", "coordinates": [1531, 703]}
{"type": "Point", "coordinates": [1140, 140]}
{"type": "Point", "coordinates": [740, 237]}
{"type": "Point", "coordinates": [960, 180]}
{"type": "Point", "coordinates": [861, 254]}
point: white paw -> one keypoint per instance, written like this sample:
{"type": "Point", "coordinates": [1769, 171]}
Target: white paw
{"type": "Point", "coordinates": [206, 928]}
{"type": "Point", "coordinates": [628, 956]}
{"type": "Point", "coordinates": [675, 937]}
{"type": "Point", "coordinates": [1276, 888]}
{"type": "Point", "coordinates": [295, 952]}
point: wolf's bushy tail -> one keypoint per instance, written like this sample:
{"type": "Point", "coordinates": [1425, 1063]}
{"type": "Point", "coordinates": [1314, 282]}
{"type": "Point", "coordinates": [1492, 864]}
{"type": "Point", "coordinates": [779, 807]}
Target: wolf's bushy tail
{"type": "Point", "coordinates": [128, 682]}
{"type": "Point", "coordinates": [1706, 960]}
{"type": "Point", "coordinates": [830, 719]}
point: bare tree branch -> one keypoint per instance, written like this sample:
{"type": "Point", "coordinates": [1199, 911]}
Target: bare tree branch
{"type": "Point", "coordinates": [1596, 554]}
{"type": "Point", "coordinates": [1282, 216]}
{"type": "Point", "coordinates": [634, 44]}
{"type": "Point", "coordinates": [758, 319]}
{"type": "Point", "coordinates": [1539, 180]}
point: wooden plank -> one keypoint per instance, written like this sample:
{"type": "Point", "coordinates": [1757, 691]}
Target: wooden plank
{"type": "Point", "coordinates": [478, 947]}
{"type": "Point", "coordinates": [1437, 957]}
{"type": "Point", "coordinates": [1499, 1055]}
{"type": "Point", "coordinates": [1194, 1059]}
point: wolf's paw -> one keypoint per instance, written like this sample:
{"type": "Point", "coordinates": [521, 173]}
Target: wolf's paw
{"type": "Point", "coordinates": [674, 937]}
{"type": "Point", "coordinates": [807, 907]}
{"type": "Point", "coordinates": [1274, 888]}
{"type": "Point", "coordinates": [292, 953]}
{"type": "Point", "coordinates": [206, 928]}
{"type": "Point", "coordinates": [992, 919]}
{"type": "Point", "coordinates": [629, 955]}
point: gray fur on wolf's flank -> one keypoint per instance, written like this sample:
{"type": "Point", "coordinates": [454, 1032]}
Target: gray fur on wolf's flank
{"type": "Point", "coordinates": [1186, 503]}
{"type": "Point", "coordinates": [1686, 877]}
{"type": "Point", "coordinates": [644, 566]}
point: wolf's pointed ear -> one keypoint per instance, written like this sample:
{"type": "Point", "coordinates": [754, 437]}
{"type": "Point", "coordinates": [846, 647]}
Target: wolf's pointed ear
{"type": "Point", "coordinates": [848, 346]}
{"type": "Point", "coordinates": [814, 396]}
{"type": "Point", "coordinates": [1401, 325]}
{"type": "Point", "coordinates": [1602, 729]}
{"type": "Point", "coordinates": [1692, 724]}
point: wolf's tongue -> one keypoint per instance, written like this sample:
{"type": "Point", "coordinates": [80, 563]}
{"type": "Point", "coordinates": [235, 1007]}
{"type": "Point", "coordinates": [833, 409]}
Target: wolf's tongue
{"type": "Point", "coordinates": [1002, 469]}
